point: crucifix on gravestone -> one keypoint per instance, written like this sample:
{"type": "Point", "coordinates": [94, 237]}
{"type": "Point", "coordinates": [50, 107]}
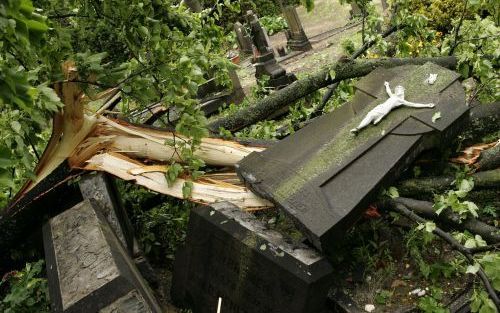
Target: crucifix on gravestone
{"type": "Point", "coordinates": [324, 176]}
{"type": "Point", "coordinates": [265, 62]}
{"type": "Point", "coordinates": [296, 37]}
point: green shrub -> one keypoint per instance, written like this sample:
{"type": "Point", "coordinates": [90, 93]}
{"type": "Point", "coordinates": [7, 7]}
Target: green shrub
{"type": "Point", "coordinates": [27, 290]}
{"type": "Point", "coordinates": [273, 24]}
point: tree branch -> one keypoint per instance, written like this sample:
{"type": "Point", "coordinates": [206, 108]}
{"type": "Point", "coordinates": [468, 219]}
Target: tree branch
{"type": "Point", "coordinates": [262, 109]}
{"type": "Point", "coordinates": [403, 210]}
{"type": "Point", "coordinates": [425, 208]}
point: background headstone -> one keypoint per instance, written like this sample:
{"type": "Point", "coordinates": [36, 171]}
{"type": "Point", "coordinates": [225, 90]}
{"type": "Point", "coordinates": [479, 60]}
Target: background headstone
{"type": "Point", "coordinates": [265, 62]}
{"type": "Point", "coordinates": [324, 177]}
{"type": "Point", "coordinates": [87, 267]}
{"type": "Point", "coordinates": [230, 254]}
{"type": "Point", "coordinates": [296, 37]}
{"type": "Point", "coordinates": [243, 38]}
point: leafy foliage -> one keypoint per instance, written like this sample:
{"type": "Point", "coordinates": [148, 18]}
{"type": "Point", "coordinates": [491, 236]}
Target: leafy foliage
{"type": "Point", "coordinates": [28, 290]}
{"type": "Point", "coordinates": [273, 24]}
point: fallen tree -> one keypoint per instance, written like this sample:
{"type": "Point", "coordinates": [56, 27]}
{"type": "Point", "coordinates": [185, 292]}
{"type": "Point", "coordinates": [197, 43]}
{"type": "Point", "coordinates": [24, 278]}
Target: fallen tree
{"type": "Point", "coordinates": [331, 74]}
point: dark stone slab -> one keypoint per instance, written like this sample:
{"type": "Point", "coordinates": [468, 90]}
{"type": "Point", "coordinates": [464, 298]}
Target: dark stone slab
{"type": "Point", "coordinates": [232, 255]}
{"type": "Point", "coordinates": [88, 268]}
{"type": "Point", "coordinates": [324, 177]}
{"type": "Point", "coordinates": [23, 218]}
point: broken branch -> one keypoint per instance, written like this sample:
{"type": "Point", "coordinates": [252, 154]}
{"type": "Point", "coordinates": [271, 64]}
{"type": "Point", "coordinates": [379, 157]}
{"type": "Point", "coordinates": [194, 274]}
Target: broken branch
{"type": "Point", "coordinates": [403, 210]}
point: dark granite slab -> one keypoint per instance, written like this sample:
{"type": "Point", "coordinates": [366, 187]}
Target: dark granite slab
{"type": "Point", "coordinates": [324, 177]}
{"type": "Point", "coordinates": [87, 267]}
{"type": "Point", "coordinates": [232, 255]}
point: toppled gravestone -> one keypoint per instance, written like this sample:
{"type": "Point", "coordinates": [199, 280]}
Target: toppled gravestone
{"type": "Point", "coordinates": [324, 177]}
{"type": "Point", "coordinates": [231, 255]}
{"type": "Point", "coordinates": [88, 269]}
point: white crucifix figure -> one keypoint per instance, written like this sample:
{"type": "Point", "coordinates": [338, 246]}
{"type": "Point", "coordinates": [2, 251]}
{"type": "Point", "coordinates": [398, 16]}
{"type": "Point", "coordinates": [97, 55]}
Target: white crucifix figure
{"type": "Point", "coordinates": [395, 100]}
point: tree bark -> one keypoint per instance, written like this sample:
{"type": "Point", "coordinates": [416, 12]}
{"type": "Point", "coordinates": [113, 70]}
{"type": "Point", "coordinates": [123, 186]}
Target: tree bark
{"type": "Point", "coordinates": [489, 159]}
{"type": "Point", "coordinates": [424, 208]}
{"type": "Point", "coordinates": [410, 187]}
{"type": "Point", "coordinates": [262, 109]}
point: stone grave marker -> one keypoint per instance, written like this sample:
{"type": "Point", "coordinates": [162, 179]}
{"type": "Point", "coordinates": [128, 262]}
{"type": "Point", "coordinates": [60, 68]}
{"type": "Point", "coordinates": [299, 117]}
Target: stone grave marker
{"type": "Point", "coordinates": [324, 177]}
{"type": "Point", "coordinates": [243, 38]}
{"type": "Point", "coordinates": [232, 255]}
{"type": "Point", "coordinates": [296, 37]}
{"type": "Point", "coordinates": [265, 63]}
{"type": "Point", "coordinates": [88, 269]}
{"type": "Point", "coordinates": [101, 188]}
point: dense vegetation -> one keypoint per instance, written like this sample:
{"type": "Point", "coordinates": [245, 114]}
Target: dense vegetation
{"type": "Point", "coordinates": [159, 51]}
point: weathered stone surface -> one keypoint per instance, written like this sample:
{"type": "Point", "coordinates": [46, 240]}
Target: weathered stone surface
{"type": "Point", "coordinates": [243, 38]}
{"type": "Point", "coordinates": [88, 268]}
{"type": "Point", "coordinates": [101, 188]}
{"type": "Point", "coordinates": [232, 255]}
{"type": "Point", "coordinates": [296, 37]}
{"type": "Point", "coordinates": [324, 177]}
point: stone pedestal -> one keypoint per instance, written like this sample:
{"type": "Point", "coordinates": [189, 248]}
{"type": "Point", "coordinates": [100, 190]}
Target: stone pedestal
{"type": "Point", "coordinates": [296, 37]}
{"type": "Point", "coordinates": [87, 267]}
{"type": "Point", "coordinates": [231, 255]}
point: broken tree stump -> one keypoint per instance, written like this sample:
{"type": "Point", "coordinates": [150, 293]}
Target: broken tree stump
{"type": "Point", "coordinates": [232, 255]}
{"type": "Point", "coordinates": [88, 268]}
{"type": "Point", "coordinates": [324, 177]}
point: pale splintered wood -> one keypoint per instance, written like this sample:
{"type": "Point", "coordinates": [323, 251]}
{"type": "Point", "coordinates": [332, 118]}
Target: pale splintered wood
{"type": "Point", "coordinates": [146, 143]}
{"type": "Point", "coordinates": [205, 190]}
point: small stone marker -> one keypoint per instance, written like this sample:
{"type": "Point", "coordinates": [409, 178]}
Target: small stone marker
{"type": "Point", "coordinates": [296, 37]}
{"type": "Point", "coordinates": [265, 63]}
{"type": "Point", "coordinates": [232, 255]}
{"type": "Point", "coordinates": [243, 38]}
{"type": "Point", "coordinates": [88, 268]}
{"type": "Point", "coordinates": [324, 177]}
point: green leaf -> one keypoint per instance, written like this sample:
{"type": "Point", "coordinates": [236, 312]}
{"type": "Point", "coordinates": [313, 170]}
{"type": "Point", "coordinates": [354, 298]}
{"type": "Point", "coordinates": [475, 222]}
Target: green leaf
{"type": "Point", "coordinates": [187, 189]}
{"type": "Point", "coordinates": [472, 269]}
{"type": "Point", "coordinates": [430, 227]}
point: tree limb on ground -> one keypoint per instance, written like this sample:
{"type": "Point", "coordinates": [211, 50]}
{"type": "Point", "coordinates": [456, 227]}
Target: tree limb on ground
{"type": "Point", "coordinates": [430, 185]}
{"type": "Point", "coordinates": [489, 159]}
{"type": "Point", "coordinates": [405, 211]}
{"type": "Point", "coordinates": [340, 71]}
{"type": "Point", "coordinates": [489, 233]}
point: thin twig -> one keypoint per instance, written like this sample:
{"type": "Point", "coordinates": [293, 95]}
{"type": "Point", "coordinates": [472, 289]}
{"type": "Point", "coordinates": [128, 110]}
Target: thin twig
{"type": "Point", "coordinates": [457, 30]}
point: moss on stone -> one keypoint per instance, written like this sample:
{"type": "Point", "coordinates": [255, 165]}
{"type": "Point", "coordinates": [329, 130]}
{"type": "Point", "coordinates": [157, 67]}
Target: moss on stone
{"type": "Point", "coordinates": [343, 144]}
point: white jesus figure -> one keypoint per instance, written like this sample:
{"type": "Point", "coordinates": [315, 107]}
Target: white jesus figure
{"type": "Point", "coordinates": [395, 100]}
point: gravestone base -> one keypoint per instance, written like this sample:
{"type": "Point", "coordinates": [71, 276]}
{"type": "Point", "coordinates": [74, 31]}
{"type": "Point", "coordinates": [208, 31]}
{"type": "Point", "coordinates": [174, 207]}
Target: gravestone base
{"type": "Point", "coordinates": [88, 269]}
{"type": "Point", "coordinates": [232, 255]}
{"type": "Point", "coordinates": [300, 44]}
{"type": "Point", "coordinates": [266, 65]}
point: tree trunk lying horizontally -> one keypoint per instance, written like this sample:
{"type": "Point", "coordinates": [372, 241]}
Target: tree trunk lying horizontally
{"type": "Point", "coordinates": [429, 185]}
{"type": "Point", "coordinates": [340, 71]}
